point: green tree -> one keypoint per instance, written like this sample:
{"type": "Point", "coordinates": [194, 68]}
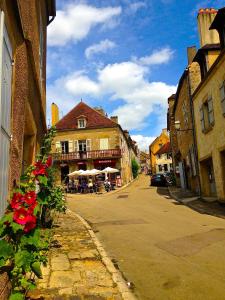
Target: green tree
{"type": "Point", "coordinates": [135, 167]}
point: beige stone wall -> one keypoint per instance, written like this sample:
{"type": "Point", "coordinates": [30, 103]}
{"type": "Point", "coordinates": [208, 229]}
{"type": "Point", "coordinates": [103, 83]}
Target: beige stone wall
{"type": "Point", "coordinates": [211, 57]}
{"type": "Point", "coordinates": [112, 134]}
{"type": "Point", "coordinates": [212, 143]}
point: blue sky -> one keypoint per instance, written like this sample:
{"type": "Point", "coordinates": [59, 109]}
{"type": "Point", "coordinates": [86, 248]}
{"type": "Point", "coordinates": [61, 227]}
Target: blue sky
{"type": "Point", "coordinates": [124, 55]}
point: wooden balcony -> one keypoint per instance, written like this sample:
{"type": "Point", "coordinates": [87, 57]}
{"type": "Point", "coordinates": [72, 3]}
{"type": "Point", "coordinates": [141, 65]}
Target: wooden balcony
{"type": "Point", "coordinates": [95, 154]}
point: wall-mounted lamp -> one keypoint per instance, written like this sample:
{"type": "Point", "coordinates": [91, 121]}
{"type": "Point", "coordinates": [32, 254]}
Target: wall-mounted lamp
{"type": "Point", "coordinates": [177, 127]}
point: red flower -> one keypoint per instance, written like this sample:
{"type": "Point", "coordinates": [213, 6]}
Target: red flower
{"type": "Point", "coordinates": [21, 216]}
{"type": "Point", "coordinates": [49, 161]}
{"type": "Point", "coordinates": [17, 201]}
{"type": "Point", "coordinates": [40, 169]}
{"type": "Point", "coordinates": [30, 198]}
{"type": "Point", "coordinates": [31, 223]}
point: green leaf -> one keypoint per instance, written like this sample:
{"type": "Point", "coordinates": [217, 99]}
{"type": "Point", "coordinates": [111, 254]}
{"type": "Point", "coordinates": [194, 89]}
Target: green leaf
{"type": "Point", "coordinates": [6, 218]}
{"type": "Point", "coordinates": [16, 227]}
{"type": "Point", "coordinates": [36, 268]}
{"type": "Point", "coordinates": [23, 259]}
{"type": "Point", "coordinates": [43, 180]}
{"type": "Point", "coordinates": [6, 249]}
{"type": "Point", "coordinates": [2, 262]}
{"type": "Point", "coordinates": [17, 296]}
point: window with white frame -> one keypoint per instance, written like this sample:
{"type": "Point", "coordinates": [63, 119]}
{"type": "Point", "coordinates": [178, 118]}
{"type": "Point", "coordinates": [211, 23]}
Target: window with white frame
{"type": "Point", "coordinates": [81, 123]}
{"type": "Point", "coordinates": [207, 115]}
{"type": "Point", "coordinates": [5, 111]}
{"type": "Point", "coordinates": [64, 147]}
{"type": "Point", "coordinates": [222, 97]}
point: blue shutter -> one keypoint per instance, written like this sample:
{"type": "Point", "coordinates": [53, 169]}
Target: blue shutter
{"type": "Point", "coordinates": [5, 116]}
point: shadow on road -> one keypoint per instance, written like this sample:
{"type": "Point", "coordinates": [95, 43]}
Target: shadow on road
{"type": "Point", "coordinates": [163, 191]}
{"type": "Point", "coordinates": [208, 208]}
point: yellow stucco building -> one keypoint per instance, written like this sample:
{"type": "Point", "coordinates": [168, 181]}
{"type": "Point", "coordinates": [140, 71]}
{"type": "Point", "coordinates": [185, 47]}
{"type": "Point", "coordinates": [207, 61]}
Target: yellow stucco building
{"type": "Point", "coordinates": [86, 138]}
{"type": "Point", "coordinates": [209, 108]}
{"type": "Point", "coordinates": [161, 140]}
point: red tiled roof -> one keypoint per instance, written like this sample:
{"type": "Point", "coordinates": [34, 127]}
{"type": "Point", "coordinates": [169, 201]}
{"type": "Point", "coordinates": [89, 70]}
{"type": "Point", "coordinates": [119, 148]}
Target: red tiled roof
{"type": "Point", "coordinates": [93, 118]}
{"type": "Point", "coordinates": [164, 149]}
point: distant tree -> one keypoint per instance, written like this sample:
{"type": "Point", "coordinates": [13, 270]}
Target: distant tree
{"type": "Point", "coordinates": [135, 167]}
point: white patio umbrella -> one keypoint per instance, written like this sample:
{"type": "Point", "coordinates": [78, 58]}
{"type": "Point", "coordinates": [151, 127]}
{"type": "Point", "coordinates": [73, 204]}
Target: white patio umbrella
{"type": "Point", "coordinates": [109, 170]}
{"type": "Point", "coordinates": [76, 173]}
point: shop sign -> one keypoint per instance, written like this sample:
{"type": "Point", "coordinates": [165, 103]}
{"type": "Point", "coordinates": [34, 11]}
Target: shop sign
{"type": "Point", "coordinates": [105, 161]}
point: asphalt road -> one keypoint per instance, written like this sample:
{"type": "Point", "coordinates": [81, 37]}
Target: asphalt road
{"type": "Point", "coordinates": [167, 250]}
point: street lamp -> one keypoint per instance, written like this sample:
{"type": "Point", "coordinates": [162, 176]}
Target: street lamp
{"type": "Point", "coordinates": [177, 127]}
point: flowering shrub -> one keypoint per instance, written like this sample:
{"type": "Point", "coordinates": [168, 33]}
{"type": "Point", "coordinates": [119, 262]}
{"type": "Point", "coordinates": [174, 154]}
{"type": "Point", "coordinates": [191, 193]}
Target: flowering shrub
{"type": "Point", "coordinates": [24, 238]}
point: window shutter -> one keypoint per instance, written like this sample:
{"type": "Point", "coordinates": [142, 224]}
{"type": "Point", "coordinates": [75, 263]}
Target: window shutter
{"type": "Point", "coordinates": [202, 118]}
{"type": "Point", "coordinates": [210, 110]}
{"type": "Point", "coordinates": [58, 147]}
{"type": "Point", "coordinates": [76, 146]}
{"type": "Point", "coordinates": [222, 97]}
{"type": "Point", "coordinates": [88, 143]}
{"type": "Point", "coordinates": [5, 111]}
{"type": "Point", "coordinates": [71, 148]}
{"type": "Point", "coordinates": [104, 144]}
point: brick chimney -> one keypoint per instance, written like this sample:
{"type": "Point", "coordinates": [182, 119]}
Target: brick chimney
{"type": "Point", "coordinates": [100, 110]}
{"type": "Point", "coordinates": [205, 19]}
{"type": "Point", "coordinates": [55, 113]}
{"type": "Point", "coordinates": [191, 51]}
{"type": "Point", "coordinates": [114, 119]}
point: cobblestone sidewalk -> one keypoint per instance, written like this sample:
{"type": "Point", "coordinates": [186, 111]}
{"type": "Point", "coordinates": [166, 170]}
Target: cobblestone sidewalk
{"type": "Point", "coordinates": [76, 270]}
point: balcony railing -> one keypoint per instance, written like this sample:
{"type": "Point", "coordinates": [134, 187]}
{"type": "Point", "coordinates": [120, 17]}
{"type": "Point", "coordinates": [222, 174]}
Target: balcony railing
{"type": "Point", "coordinates": [84, 155]}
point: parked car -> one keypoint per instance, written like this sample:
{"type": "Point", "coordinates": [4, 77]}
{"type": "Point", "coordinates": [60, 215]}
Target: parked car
{"type": "Point", "coordinates": [158, 180]}
{"type": "Point", "coordinates": [169, 178]}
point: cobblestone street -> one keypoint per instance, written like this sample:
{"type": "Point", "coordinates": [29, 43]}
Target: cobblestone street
{"type": "Point", "coordinates": [76, 270]}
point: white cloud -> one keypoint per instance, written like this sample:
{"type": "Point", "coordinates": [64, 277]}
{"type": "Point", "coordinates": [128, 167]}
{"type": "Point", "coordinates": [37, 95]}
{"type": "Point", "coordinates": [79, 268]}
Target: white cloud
{"type": "Point", "coordinates": [134, 7]}
{"type": "Point", "coordinates": [161, 56]}
{"type": "Point", "coordinates": [76, 20]}
{"type": "Point", "coordinates": [101, 47]}
{"type": "Point", "coordinates": [143, 141]}
{"type": "Point", "coordinates": [125, 81]}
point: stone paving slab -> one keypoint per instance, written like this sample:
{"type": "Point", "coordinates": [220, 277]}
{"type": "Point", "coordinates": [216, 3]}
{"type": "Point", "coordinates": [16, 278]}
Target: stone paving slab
{"type": "Point", "coordinates": [76, 270]}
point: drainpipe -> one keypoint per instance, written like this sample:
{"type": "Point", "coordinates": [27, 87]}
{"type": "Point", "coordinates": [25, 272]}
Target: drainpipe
{"type": "Point", "coordinates": [194, 132]}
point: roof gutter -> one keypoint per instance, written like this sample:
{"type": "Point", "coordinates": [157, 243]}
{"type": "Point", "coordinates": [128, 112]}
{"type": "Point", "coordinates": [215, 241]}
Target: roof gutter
{"type": "Point", "coordinates": [51, 10]}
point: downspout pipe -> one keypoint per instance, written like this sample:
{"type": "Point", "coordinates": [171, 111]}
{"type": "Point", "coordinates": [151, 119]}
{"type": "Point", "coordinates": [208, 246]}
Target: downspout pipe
{"type": "Point", "coordinates": [194, 132]}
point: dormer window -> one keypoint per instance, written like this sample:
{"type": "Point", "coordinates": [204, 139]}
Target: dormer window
{"type": "Point", "coordinates": [81, 123]}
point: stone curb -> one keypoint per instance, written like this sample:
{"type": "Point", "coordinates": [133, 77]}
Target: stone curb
{"type": "Point", "coordinates": [116, 275]}
{"type": "Point", "coordinates": [180, 199]}
{"type": "Point", "coordinates": [174, 196]}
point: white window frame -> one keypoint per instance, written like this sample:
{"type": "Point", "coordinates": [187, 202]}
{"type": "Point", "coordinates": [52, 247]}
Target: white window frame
{"type": "Point", "coordinates": [81, 121]}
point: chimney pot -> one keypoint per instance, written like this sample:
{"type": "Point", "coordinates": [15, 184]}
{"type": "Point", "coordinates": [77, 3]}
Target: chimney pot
{"type": "Point", "coordinates": [55, 113]}
{"type": "Point", "coordinates": [205, 19]}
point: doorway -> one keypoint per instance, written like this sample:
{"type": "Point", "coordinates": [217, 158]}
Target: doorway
{"type": "Point", "coordinates": [64, 172]}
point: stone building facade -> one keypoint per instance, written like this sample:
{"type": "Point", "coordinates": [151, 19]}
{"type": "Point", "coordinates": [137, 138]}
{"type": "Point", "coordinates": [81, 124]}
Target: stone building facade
{"type": "Point", "coordinates": [183, 143]}
{"type": "Point", "coordinates": [164, 159]}
{"type": "Point", "coordinates": [23, 79]}
{"type": "Point", "coordinates": [86, 138]}
{"type": "Point", "coordinates": [209, 112]}
{"type": "Point", "coordinates": [23, 31]}
{"type": "Point", "coordinates": [161, 140]}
